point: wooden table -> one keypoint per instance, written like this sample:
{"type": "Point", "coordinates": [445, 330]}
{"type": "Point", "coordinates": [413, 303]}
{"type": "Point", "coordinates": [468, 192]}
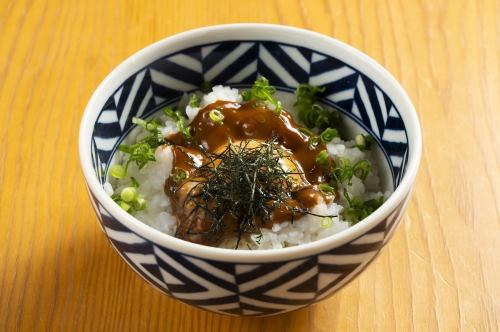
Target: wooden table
{"type": "Point", "coordinates": [440, 271]}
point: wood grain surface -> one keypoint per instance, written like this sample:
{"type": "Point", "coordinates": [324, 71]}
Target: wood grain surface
{"type": "Point", "coordinates": [441, 271]}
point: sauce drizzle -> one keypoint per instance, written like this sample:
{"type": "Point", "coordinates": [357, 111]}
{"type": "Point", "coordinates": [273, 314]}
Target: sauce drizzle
{"type": "Point", "coordinates": [243, 122]}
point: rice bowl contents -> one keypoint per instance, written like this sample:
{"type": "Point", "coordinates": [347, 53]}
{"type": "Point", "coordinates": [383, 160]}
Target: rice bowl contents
{"type": "Point", "coordinates": [238, 170]}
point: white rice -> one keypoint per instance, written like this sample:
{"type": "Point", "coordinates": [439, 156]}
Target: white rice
{"type": "Point", "coordinates": [158, 213]}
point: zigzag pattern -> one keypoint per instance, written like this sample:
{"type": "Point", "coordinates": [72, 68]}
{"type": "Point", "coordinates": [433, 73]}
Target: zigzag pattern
{"type": "Point", "coordinates": [246, 289]}
{"type": "Point", "coordinates": [239, 63]}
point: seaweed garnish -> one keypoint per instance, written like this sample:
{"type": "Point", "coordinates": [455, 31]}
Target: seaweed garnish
{"type": "Point", "coordinates": [239, 188]}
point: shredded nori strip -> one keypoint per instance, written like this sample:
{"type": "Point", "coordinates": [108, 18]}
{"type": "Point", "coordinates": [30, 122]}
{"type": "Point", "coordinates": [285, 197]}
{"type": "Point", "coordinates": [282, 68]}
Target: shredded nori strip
{"type": "Point", "coordinates": [244, 184]}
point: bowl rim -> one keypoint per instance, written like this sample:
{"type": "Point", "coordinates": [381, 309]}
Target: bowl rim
{"type": "Point", "coordinates": [287, 34]}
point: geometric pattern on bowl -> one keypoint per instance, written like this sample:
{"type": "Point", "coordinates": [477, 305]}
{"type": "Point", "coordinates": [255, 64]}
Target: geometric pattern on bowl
{"type": "Point", "coordinates": [248, 289]}
{"type": "Point", "coordinates": [238, 63]}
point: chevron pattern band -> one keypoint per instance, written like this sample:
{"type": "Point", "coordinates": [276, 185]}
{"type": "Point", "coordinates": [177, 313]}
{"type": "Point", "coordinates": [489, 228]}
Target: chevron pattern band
{"type": "Point", "coordinates": [239, 63]}
{"type": "Point", "coordinates": [246, 289]}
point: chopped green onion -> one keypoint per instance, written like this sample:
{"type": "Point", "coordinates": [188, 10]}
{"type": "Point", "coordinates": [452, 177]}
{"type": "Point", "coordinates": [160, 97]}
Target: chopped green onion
{"type": "Point", "coordinates": [327, 188]}
{"type": "Point", "coordinates": [342, 172]}
{"type": "Point", "coordinates": [361, 169]}
{"type": "Point", "coordinates": [151, 126]}
{"type": "Point", "coordinates": [326, 222]}
{"type": "Point", "coordinates": [363, 142]}
{"type": "Point", "coordinates": [359, 209]}
{"type": "Point", "coordinates": [135, 183]}
{"type": "Point", "coordinates": [139, 122]}
{"type": "Point", "coordinates": [345, 170]}
{"type": "Point", "coordinates": [124, 206]}
{"type": "Point", "coordinates": [306, 131]}
{"type": "Point", "coordinates": [129, 200]}
{"type": "Point", "coordinates": [328, 134]}
{"type": "Point", "coordinates": [144, 150]}
{"type": "Point", "coordinates": [216, 116]}
{"type": "Point", "coordinates": [277, 107]}
{"type": "Point", "coordinates": [180, 121]}
{"type": "Point", "coordinates": [262, 91]}
{"type": "Point", "coordinates": [351, 214]}
{"type": "Point", "coordinates": [194, 101]}
{"type": "Point", "coordinates": [314, 142]}
{"type": "Point", "coordinates": [128, 194]}
{"type": "Point", "coordinates": [179, 175]}
{"type": "Point", "coordinates": [141, 153]}
{"type": "Point", "coordinates": [310, 113]}
{"type": "Point", "coordinates": [305, 97]}
{"type": "Point", "coordinates": [313, 139]}
{"type": "Point", "coordinates": [322, 158]}
{"type": "Point", "coordinates": [360, 140]}
{"type": "Point", "coordinates": [140, 203]}
{"type": "Point", "coordinates": [117, 171]}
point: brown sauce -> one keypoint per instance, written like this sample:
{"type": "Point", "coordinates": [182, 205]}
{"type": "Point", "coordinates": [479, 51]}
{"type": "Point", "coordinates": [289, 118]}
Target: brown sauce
{"type": "Point", "coordinates": [241, 122]}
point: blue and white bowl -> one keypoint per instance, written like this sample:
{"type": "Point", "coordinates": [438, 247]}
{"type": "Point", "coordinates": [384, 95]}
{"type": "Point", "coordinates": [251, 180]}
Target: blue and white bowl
{"type": "Point", "coordinates": [264, 282]}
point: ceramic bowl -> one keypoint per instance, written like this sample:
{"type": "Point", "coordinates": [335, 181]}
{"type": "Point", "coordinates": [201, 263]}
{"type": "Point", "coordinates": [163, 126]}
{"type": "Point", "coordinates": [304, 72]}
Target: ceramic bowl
{"type": "Point", "coordinates": [263, 282]}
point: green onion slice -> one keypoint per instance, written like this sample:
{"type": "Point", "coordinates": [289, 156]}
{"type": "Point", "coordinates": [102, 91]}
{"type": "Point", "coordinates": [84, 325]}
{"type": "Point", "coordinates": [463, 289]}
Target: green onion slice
{"type": "Point", "coordinates": [216, 116]}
